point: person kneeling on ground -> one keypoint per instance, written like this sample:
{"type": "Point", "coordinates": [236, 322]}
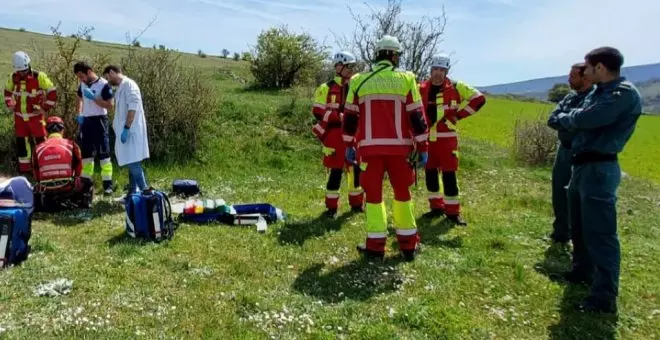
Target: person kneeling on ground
{"type": "Point", "coordinates": [57, 165]}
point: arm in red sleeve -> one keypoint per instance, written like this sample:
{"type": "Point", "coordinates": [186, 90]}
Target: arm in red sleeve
{"type": "Point", "coordinates": [476, 100]}
{"type": "Point", "coordinates": [418, 121]}
{"type": "Point", "coordinates": [50, 92]}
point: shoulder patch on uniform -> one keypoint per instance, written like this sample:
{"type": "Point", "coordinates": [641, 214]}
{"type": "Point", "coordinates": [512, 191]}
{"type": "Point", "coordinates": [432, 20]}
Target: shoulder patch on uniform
{"type": "Point", "coordinates": [625, 85]}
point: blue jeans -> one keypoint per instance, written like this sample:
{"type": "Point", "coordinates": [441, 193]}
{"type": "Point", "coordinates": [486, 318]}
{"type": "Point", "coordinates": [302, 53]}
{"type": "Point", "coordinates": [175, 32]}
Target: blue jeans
{"type": "Point", "coordinates": [136, 179]}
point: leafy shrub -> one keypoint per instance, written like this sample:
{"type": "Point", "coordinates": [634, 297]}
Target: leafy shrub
{"type": "Point", "coordinates": [534, 143]}
{"type": "Point", "coordinates": [283, 59]}
{"type": "Point", "coordinates": [177, 101]}
{"type": "Point", "coordinates": [557, 92]}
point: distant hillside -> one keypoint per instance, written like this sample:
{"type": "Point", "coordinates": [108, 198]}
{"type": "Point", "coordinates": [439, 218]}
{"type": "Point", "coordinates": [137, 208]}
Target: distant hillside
{"type": "Point", "coordinates": [646, 77]}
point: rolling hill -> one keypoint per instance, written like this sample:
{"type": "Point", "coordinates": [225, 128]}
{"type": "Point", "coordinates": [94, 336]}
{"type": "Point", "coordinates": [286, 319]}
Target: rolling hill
{"type": "Point", "coordinates": [646, 77]}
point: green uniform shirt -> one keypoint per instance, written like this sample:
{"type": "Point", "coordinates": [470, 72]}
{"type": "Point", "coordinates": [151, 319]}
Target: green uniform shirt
{"type": "Point", "coordinates": [607, 118]}
{"type": "Point", "coordinates": [572, 100]}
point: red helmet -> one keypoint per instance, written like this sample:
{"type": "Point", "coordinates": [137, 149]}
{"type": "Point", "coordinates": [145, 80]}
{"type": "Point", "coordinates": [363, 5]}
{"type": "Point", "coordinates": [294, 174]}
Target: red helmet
{"type": "Point", "coordinates": [54, 124]}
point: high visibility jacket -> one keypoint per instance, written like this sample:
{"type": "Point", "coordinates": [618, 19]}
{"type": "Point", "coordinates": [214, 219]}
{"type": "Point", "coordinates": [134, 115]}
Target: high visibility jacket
{"type": "Point", "coordinates": [56, 160]}
{"type": "Point", "coordinates": [328, 108]}
{"type": "Point", "coordinates": [30, 93]}
{"type": "Point", "coordinates": [383, 114]}
{"type": "Point", "coordinates": [443, 110]}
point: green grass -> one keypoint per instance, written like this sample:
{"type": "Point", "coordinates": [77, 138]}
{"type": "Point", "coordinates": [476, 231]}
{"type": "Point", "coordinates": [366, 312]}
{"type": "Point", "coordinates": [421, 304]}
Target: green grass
{"type": "Point", "coordinates": [303, 278]}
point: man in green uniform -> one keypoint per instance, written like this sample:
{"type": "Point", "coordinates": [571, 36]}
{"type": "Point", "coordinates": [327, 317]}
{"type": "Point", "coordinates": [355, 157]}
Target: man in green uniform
{"type": "Point", "coordinates": [603, 126]}
{"type": "Point", "coordinates": [561, 171]}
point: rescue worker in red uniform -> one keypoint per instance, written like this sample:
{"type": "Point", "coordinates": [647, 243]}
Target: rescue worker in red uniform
{"type": "Point", "coordinates": [442, 99]}
{"type": "Point", "coordinates": [385, 121]}
{"type": "Point", "coordinates": [29, 94]}
{"type": "Point", "coordinates": [57, 165]}
{"type": "Point", "coordinates": [329, 101]}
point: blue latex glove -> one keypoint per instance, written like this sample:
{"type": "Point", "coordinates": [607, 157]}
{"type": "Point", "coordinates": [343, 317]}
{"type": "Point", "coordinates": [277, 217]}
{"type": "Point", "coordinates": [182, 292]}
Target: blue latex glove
{"type": "Point", "coordinates": [423, 158]}
{"type": "Point", "coordinates": [124, 136]}
{"type": "Point", "coordinates": [80, 119]}
{"type": "Point", "coordinates": [350, 155]}
{"type": "Point", "coordinates": [89, 94]}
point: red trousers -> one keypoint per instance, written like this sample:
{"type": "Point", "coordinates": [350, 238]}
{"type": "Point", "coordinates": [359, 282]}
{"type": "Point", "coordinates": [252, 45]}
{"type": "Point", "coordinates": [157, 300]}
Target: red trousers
{"type": "Point", "coordinates": [443, 159]}
{"type": "Point", "coordinates": [333, 139]}
{"type": "Point", "coordinates": [398, 170]}
{"type": "Point", "coordinates": [401, 177]}
{"type": "Point", "coordinates": [34, 127]}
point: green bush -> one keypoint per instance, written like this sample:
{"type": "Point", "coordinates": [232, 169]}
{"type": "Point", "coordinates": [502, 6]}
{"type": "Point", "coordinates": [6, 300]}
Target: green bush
{"type": "Point", "coordinates": [557, 92]}
{"type": "Point", "coordinates": [177, 100]}
{"type": "Point", "coordinates": [535, 144]}
{"type": "Point", "coordinates": [283, 59]}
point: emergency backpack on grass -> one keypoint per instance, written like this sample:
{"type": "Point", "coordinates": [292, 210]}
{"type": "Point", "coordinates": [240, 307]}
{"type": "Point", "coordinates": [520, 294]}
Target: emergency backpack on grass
{"type": "Point", "coordinates": [185, 187]}
{"type": "Point", "coordinates": [149, 216]}
{"type": "Point", "coordinates": [16, 208]}
{"type": "Point", "coordinates": [15, 232]}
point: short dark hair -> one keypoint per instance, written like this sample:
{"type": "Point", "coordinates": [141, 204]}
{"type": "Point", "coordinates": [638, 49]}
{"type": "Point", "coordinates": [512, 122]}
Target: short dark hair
{"type": "Point", "coordinates": [581, 67]}
{"type": "Point", "coordinates": [82, 66]}
{"type": "Point", "coordinates": [113, 68]}
{"type": "Point", "coordinates": [610, 57]}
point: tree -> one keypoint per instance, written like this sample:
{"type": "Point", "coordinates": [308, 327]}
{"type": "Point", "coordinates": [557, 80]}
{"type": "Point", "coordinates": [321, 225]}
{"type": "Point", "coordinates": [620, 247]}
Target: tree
{"type": "Point", "coordinates": [420, 39]}
{"type": "Point", "coordinates": [225, 53]}
{"type": "Point", "coordinates": [247, 56]}
{"type": "Point", "coordinates": [201, 54]}
{"type": "Point", "coordinates": [282, 59]}
{"type": "Point", "coordinates": [237, 56]}
{"type": "Point", "coordinates": [557, 92]}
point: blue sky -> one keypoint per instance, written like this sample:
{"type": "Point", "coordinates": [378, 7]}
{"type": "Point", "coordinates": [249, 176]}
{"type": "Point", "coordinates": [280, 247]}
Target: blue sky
{"type": "Point", "coordinates": [492, 41]}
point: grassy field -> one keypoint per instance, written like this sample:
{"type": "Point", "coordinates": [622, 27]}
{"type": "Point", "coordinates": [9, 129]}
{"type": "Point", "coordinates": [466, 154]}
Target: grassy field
{"type": "Point", "coordinates": [302, 279]}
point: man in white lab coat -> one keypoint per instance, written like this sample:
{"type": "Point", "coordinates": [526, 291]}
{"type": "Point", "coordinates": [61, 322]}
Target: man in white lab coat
{"type": "Point", "coordinates": [130, 125]}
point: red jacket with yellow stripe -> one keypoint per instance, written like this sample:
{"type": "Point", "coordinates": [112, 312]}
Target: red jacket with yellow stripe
{"type": "Point", "coordinates": [445, 110]}
{"type": "Point", "coordinates": [31, 93]}
{"type": "Point", "coordinates": [329, 100]}
{"type": "Point", "coordinates": [384, 113]}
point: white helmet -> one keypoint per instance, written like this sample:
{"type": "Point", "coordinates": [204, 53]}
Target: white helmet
{"type": "Point", "coordinates": [21, 61]}
{"type": "Point", "coordinates": [388, 43]}
{"type": "Point", "coordinates": [344, 58]}
{"type": "Point", "coordinates": [441, 61]}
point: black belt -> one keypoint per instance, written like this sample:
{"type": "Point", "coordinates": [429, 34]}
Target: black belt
{"type": "Point", "coordinates": [593, 157]}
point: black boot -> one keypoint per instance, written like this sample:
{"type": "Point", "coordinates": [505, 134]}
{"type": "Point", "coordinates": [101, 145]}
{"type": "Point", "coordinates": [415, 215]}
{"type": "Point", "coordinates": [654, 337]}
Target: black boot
{"type": "Point", "coordinates": [433, 213]}
{"type": "Point", "coordinates": [576, 277]}
{"type": "Point", "coordinates": [358, 209]}
{"type": "Point", "coordinates": [370, 254]}
{"type": "Point", "coordinates": [457, 219]}
{"type": "Point", "coordinates": [409, 255]}
{"type": "Point", "coordinates": [592, 305]}
{"type": "Point", "coordinates": [330, 213]}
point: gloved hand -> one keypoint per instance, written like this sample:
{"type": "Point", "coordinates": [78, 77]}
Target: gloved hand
{"type": "Point", "coordinates": [80, 119]}
{"type": "Point", "coordinates": [451, 118]}
{"type": "Point", "coordinates": [124, 135]}
{"type": "Point", "coordinates": [89, 94]}
{"type": "Point", "coordinates": [423, 158]}
{"type": "Point", "coordinates": [350, 155]}
{"type": "Point", "coordinates": [11, 105]}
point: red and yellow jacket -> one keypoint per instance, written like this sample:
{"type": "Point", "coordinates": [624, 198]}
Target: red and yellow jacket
{"type": "Point", "coordinates": [384, 113]}
{"type": "Point", "coordinates": [329, 100]}
{"type": "Point", "coordinates": [30, 93]}
{"type": "Point", "coordinates": [444, 110]}
{"type": "Point", "coordinates": [56, 159]}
